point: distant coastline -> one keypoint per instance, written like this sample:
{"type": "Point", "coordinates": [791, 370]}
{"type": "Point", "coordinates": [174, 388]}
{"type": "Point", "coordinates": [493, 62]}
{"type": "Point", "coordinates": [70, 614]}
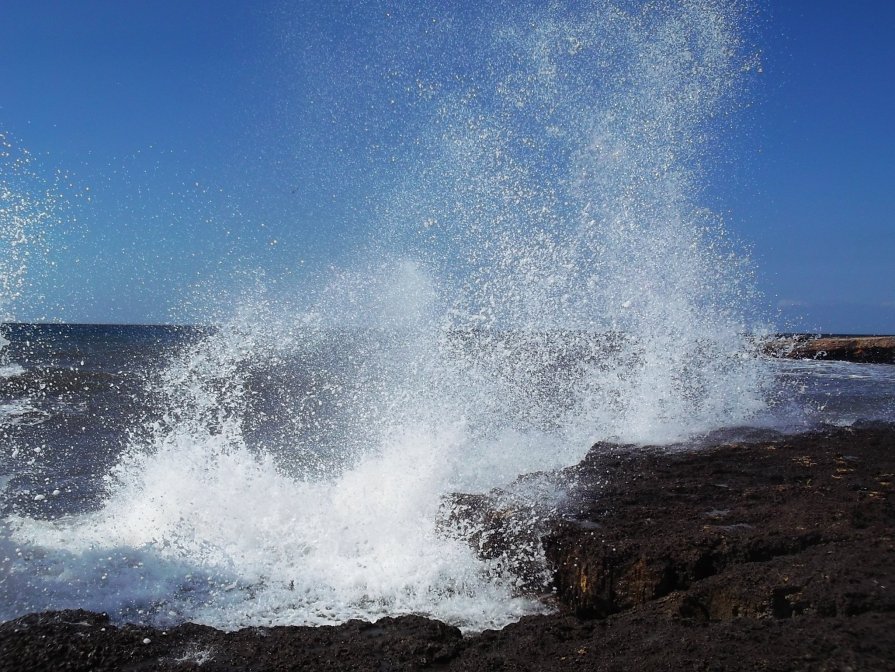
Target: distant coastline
{"type": "Point", "coordinates": [846, 348]}
{"type": "Point", "coordinates": [859, 348]}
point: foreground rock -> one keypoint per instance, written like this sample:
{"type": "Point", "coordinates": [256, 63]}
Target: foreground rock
{"type": "Point", "coordinates": [862, 349]}
{"type": "Point", "coordinates": [772, 555]}
{"type": "Point", "coordinates": [811, 517]}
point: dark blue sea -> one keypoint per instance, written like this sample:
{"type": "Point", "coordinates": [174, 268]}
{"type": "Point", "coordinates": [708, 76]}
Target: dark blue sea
{"type": "Point", "coordinates": [69, 397]}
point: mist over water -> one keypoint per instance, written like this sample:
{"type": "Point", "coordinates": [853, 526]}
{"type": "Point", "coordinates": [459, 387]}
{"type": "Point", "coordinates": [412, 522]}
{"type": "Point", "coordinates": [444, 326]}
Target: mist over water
{"type": "Point", "coordinates": [543, 275]}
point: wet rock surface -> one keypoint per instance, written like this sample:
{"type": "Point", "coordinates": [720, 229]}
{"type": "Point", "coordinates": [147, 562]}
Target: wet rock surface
{"type": "Point", "coordinates": [773, 555]}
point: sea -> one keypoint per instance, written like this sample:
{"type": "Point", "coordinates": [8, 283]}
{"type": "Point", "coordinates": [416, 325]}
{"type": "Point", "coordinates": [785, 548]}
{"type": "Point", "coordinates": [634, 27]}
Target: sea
{"type": "Point", "coordinates": [542, 274]}
{"type": "Point", "coordinates": [234, 506]}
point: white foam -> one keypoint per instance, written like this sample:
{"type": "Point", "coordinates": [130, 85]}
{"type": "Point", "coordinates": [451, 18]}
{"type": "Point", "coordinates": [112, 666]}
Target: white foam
{"type": "Point", "coordinates": [10, 370]}
{"type": "Point", "coordinates": [21, 412]}
{"type": "Point", "coordinates": [271, 549]}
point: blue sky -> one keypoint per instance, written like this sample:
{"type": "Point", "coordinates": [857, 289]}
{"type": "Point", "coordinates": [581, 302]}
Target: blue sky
{"type": "Point", "coordinates": [202, 139]}
{"type": "Point", "coordinates": [818, 203]}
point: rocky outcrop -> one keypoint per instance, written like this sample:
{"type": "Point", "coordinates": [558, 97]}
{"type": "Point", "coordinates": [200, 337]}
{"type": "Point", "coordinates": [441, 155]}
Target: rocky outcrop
{"type": "Point", "coordinates": [778, 554]}
{"type": "Point", "coordinates": [80, 640]}
{"type": "Point", "coordinates": [863, 349]}
{"type": "Point", "coordinates": [735, 530]}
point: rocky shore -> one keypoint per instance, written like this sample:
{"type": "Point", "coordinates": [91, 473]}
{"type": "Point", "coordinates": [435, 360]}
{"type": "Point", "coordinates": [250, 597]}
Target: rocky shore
{"type": "Point", "coordinates": [776, 553]}
{"type": "Point", "coordinates": [862, 349]}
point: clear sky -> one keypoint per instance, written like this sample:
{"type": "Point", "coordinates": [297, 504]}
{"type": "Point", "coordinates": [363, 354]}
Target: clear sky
{"type": "Point", "coordinates": [204, 138]}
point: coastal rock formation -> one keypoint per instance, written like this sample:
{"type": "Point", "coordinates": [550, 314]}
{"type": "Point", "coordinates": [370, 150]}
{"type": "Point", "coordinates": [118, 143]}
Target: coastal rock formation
{"type": "Point", "coordinates": [80, 640]}
{"type": "Point", "coordinates": [773, 554]}
{"type": "Point", "coordinates": [864, 349]}
{"type": "Point", "coordinates": [667, 522]}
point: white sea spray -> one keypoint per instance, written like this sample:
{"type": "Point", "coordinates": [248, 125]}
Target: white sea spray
{"type": "Point", "coordinates": [544, 276]}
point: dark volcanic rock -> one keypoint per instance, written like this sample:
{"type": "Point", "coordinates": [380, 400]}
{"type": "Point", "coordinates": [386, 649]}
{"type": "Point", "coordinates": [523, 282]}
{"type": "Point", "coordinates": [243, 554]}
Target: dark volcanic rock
{"type": "Point", "coordinates": [773, 555]}
{"type": "Point", "coordinates": [79, 640]}
{"type": "Point", "coordinates": [506, 525]}
{"type": "Point", "coordinates": [666, 521]}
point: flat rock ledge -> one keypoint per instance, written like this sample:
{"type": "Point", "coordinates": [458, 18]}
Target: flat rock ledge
{"type": "Point", "coordinates": [774, 554]}
{"type": "Point", "coordinates": [861, 349]}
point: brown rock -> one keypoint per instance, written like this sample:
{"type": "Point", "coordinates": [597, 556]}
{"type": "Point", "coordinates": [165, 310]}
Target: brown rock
{"type": "Point", "coordinates": [669, 520]}
{"type": "Point", "coordinates": [865, 349]}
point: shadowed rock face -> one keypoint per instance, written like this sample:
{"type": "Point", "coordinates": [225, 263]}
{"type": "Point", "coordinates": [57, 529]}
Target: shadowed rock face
{"type": "Point", "coordinates": [772, 555]}
{"type": "Point", "coordinates": [864, 349]}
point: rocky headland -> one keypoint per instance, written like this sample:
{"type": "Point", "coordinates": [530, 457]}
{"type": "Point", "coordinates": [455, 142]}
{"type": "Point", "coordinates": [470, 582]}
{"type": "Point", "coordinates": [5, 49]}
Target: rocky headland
{"type": "Point", "coordinates": [772, 553]}
{"type": "Point", "coordinates": [861, 349]}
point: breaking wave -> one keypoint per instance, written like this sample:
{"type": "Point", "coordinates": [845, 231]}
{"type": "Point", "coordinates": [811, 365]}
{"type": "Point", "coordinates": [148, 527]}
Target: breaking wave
{"type": "Point", "coordinates": [542, 276]}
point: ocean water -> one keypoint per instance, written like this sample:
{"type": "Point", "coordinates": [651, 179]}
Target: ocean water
{"type": "Point", "coordinates": [543, 275]}
{"type": "Point", "coordinates": [118, 494]}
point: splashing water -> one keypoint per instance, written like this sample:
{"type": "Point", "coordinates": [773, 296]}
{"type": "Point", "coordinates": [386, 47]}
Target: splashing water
{"type": "Point", "coordinates": [23, 217]}
{"type": "Point", "coordinates": [543, 277]}
{"type": "Point", "coordinates": [27, 211]}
